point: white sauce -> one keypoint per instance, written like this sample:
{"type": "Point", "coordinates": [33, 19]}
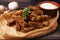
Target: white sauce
{"type": "Point", "coordinates": [48, 6]}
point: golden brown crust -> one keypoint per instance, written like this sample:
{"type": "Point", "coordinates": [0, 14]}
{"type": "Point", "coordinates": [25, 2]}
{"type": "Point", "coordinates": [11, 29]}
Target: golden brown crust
{"type": "Point", "coordinates": [31, 34]}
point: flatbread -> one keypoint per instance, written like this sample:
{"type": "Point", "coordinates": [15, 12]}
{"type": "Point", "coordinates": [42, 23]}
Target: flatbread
{"type": "Point", "coordinates": [10, 32]}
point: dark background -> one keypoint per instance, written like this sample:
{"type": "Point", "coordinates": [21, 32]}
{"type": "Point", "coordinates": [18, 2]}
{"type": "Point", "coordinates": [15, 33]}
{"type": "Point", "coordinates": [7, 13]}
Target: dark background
{"type": "Point", "coordinates": [23, 4]}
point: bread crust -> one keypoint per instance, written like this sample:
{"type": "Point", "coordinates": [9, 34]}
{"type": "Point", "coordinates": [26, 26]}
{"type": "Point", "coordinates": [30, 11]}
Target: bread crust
{"type": "Point", "coordinates": [38, 32]}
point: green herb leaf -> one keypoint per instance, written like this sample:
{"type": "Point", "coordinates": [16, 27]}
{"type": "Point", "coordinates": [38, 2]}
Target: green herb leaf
{"type": "Point", "coordinates": [26, 12]}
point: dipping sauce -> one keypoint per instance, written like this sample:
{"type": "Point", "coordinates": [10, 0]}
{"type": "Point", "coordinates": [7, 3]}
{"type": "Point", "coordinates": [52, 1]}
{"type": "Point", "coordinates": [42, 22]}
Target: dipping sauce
{"type": "Point", "coordinates": [48, 6]}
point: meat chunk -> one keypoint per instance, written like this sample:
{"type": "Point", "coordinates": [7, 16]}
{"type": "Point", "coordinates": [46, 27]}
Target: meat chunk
{"type": "Point", "coordinates": [32, 19]}
{"type": "Point", "coordinates": [27, 29]}
{"type": "Point", "coordinates": [45, 24]}
{"type": "Point", "coordinates": [38, 12]}
{"type": "Point", "coordinates": [44, 18]}
{"type": "Point", "coordinates": [35, 24]}
{"type": "Point", "coordinates": [18, 27]}
{"type": "Point", "coordinates": [35, 15]}
{"type": "Point", "coordinates": [32, 8]}
{"type": "Point", "coordinates": [35, 19]}
{"type": "Point", "coordinates": [20, 12]}
{"type": "Point", "coordinates": [21, 21]}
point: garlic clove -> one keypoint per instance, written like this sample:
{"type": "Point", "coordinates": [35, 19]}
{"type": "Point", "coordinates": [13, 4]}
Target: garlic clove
{"type": "Point", "coordinates": [13, 5]}
{"type": "Point", "coordinates": [2, 9]}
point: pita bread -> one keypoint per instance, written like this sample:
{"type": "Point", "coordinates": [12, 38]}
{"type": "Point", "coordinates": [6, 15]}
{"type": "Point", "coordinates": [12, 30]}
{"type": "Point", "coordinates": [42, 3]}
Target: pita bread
{"type": "Point", "coordinates": [10, 32]}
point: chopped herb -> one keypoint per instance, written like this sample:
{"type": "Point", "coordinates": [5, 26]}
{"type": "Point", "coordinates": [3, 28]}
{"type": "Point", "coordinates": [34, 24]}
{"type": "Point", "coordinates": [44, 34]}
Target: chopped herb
{"type": "Point", "coordinates": [26, 12]}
